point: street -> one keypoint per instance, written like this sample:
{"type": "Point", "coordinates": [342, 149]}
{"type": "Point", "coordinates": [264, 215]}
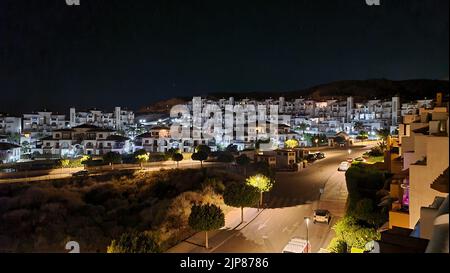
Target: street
{"type": "Point", "coordinates": [294, 196]}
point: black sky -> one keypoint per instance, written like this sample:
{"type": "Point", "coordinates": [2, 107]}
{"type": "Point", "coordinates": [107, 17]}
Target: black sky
{"type": "Point", "coordinates": [120, 52]}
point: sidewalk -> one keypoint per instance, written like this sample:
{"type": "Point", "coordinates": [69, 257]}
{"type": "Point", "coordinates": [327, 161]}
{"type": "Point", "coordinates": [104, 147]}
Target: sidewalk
{"type": "Point", "coordinates": [196, 243]}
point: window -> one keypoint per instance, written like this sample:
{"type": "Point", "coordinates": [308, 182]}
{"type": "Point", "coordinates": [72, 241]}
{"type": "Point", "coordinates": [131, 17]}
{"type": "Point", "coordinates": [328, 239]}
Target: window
{"type": "Point", "coordinates": [100, 135]}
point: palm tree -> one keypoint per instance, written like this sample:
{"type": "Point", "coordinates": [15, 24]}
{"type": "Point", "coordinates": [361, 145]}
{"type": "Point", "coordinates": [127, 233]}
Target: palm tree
{"type": "Point", "coordinates": [303, 127]}
{"type": "Point", "coordinates": [359, 126]}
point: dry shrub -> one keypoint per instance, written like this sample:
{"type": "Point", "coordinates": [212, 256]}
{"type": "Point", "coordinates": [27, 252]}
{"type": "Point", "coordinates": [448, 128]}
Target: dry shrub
{"type": "Point", "coordinates": [16, 216]}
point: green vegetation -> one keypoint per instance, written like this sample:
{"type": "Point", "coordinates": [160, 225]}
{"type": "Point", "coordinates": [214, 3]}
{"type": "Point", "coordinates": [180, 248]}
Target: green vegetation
{"type": "Point", "coordinates": [243, 161]}
{"type": "Point", "coordinates": [213, 183]}
{"type": "Point", "coordinates": [363, 216]}
{"type": "Point", "coordinates": [135, 242]}
{"type": "Point", "coordinates": [363, 182]}
{"type": "Point", "coordinates": [206, 218]}
{"type": "Point", "coordinates": [262, 183]}
{"type": "Point", "coordinates": [112, 158]}
{"type": "Point", "coordinates": [225, 157]}
{"type": "Point", "coordinates": [362, 135]}
{"type": "Point", "coordinates": [374, 159]}
{"type": "Point", "coordinates": [69, 163]}
{"type": "Point", "coordinates": [337, 245]}
{"type": "Point", "coordinates": [241, 195]}
{"type": "Point", "coordinates": [203, 148]}
{"type": "Point", "coordinates": [358, 126]}
{"type": "Point", "coordinates": [177, 157]}
{"type": "Point", "coordinates": [200, 156]}
{"type": "Point", "coordinates": [141, 157]}
{"type": "Point", "coordinates": [352, 233]}
{"type": "Point", "coordinates": [291, 143]}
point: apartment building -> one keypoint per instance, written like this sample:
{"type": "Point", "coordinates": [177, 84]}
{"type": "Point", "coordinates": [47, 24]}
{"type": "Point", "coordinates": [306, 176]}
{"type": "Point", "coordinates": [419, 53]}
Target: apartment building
{"type": "Point", "coordinates": [9, 152]}
{"type": "Point", "coordinates": [119, 119]}
{"type": "Point", "coordinates": [420, 187]}
{"type": "Point", "coordinates": [10, 125]}
{"type": "Point", "coordinates": [44, 121]}
{"type": "Point", "coordinates": [85, 140]}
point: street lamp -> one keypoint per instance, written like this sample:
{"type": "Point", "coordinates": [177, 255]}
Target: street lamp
{"type": "Point", "coordinates": [317, 142]}
{"type": "Point", "coordinates": [349, 151]}
{"type": "Point", "coordinates": [307, 219]}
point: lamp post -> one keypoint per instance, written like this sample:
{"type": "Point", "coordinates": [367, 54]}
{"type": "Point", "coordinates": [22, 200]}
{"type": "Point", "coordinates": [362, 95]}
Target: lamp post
{"type": "Point", "coordinates": [317, 142]}
{"type": "Point", "coordinates": [307, 233]}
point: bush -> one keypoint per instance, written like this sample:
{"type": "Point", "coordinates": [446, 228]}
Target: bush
{"type": "Point", "coordinates": [364, 181]}
{"type": "Point", "coordinates": [100, 194]}
{"type": "Point", "coordinates": [69, 163]}
{"type": "Point", "coordinates": [349, 230]}
{"type": "Point", "coordinates": [163, 189]}
{"type": "Point", "coordinates": [158, 157]}
{"type": "Point", "coordinates": [215, 184]}
{"type": "Point", "coordinates": [225, 157]}
{"type": "Point", "coordinates": [337, 246]}
{"type": "Point", "coordinates": [135, 242]}
{"type": "Point", "coordinates": [206, 217]}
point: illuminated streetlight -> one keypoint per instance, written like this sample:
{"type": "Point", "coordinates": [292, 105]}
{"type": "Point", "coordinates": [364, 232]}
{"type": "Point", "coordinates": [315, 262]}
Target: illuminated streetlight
{"type": "Point", "coordinates": [317, 142]}
{"type": "Point", "coordinates": [349, 151]}
{"type": "Point", "coordinates": [307, 219]}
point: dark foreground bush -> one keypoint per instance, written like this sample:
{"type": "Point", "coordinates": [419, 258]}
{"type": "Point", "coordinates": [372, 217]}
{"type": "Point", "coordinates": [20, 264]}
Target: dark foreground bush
{"type": "Point", "coordinates": [135, 242]}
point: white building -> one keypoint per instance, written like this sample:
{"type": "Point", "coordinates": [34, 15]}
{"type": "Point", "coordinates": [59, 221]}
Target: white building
{"type": "Point", "coordinates": [10, 125]}
{"type": "Point", "coordinates": [424, 145]}
{"type": "Point", "coordinates": [9, 152]}
{"type": "Point", "coordinates": [44, 121]}
{"type": "Point", "coordinates": [85, 140]}
{"type": "Point", "coordinates": [119, 119]}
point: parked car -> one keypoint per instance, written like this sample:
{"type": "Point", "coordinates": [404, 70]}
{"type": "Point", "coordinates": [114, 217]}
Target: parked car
{"type": "Point", "coordinates": [297, 245]}
{"type": "Point", "coordinates": [320, 155]}
{"type": "Point", "coordinates": [322, 216]}
{"type": "Point", "coordinates": [81, 173]}
{"type": "Point", "coordinates": [344, 166]}
{"type": "Point", "coordinates": [311, 157]}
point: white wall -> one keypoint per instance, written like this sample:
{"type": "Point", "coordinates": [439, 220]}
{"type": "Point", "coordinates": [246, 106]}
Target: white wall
{"type": "Point", "coordinates": [421, 177]}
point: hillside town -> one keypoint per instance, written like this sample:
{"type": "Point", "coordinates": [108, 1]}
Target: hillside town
{"type": "Point", "coordinates": [46, 134]}
{"type": "Point", "coordinates": [404, 140]}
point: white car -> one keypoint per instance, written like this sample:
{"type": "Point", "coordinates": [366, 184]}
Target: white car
{"type": "Point", "coordinates": [296, 245]}
{"type": "Point", "coordinates": [321, 216]}
{"type": "Point", "coordinates": [344, 166]}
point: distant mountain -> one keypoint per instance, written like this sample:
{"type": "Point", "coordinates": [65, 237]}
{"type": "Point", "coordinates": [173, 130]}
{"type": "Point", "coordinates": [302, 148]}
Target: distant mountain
{"type": "Point", "coordinates": [360, 90]}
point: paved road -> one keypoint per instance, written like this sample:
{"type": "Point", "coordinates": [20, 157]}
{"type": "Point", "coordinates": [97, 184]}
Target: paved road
{"type": "Point", "coordinates": [294, 196]}
{"type": "Point", "coordinates": [151, 167]}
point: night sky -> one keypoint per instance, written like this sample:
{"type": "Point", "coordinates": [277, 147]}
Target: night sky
{"type": "Point", "coordinates": [131, 53]}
